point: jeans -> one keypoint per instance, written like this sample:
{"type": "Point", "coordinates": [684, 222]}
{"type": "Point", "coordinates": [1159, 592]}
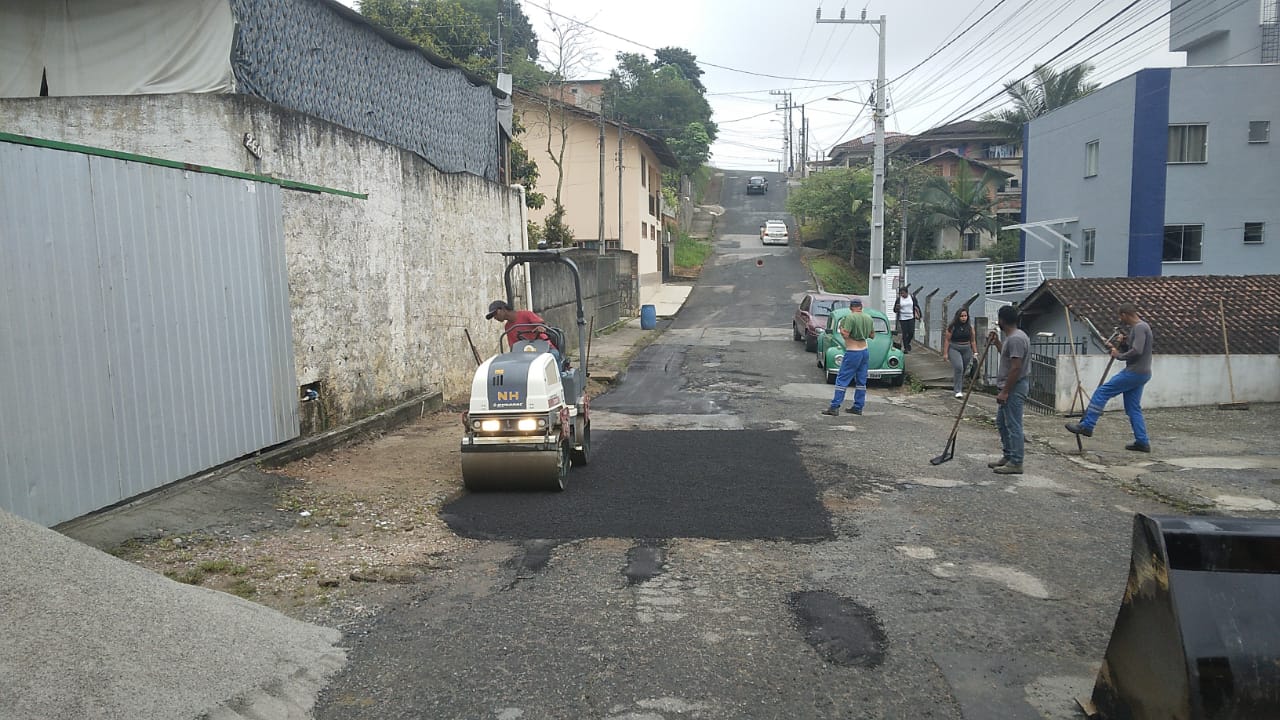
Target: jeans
{"type": "Point", "coordinates": [1129, 384]}
{"type": "Point", "coordinates": [959, 355]}
{"type": "Point", "coordinates": [853, 368]}
{"type": "Point", "coordinates": [908, 333]}
{"type": "Point", "coordinates": [1009, 421]}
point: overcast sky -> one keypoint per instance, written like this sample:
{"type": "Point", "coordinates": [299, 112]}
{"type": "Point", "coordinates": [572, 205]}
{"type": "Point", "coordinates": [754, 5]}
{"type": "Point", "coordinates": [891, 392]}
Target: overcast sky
{"type": "Point", "coordinates": [751, 47]}
{"type": "Point", "coordinates": [752, 39]}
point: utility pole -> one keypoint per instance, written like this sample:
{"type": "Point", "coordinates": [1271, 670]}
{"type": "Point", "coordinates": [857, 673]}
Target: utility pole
{"type": "Point", "coordinates": [621, 244]}
{"type": "Point", "coordinates": [788, 162]}
{"type": "Point", "coordinates": [601, 229]}
{"type": "Point", "coordinates": [902, 244]}
{"type": "Point", "coordinates": [804, 144]}
{"type": "Point", "coordinates": [875, 274]}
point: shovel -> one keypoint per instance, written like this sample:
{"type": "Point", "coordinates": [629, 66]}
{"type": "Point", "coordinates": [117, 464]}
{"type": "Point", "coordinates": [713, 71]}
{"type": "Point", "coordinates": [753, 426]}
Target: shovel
{"type": "Point", "coordinates": [950, 450]}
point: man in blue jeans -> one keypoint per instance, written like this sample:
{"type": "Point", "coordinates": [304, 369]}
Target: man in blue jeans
{"type": "Point", "coordinates": [856, 328]}
{"type": "Point", "coordinates": [1135, 350]}
{"type": "Point", "coordinates": [1012, 380]}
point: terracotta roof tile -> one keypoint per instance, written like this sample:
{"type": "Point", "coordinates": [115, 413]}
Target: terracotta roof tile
{"type": "Point", "coordinates": [1182, 310]}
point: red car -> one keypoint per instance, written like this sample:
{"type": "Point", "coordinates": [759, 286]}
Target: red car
{"type": "Point", "coordinates": [811, 316]}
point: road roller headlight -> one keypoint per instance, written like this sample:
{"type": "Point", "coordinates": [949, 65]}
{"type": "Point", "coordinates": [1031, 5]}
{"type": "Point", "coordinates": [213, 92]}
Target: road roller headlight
{"type": "Point", "coordinates": [490, 425]}
{"type": "Point", "coordinates": [529, 424]}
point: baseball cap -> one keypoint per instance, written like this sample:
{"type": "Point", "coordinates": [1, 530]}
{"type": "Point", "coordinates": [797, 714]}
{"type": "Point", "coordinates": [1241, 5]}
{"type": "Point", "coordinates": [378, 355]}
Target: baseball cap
{"type": "Point", "coordinates": [495, 306]}
{"type": "Point", "coordinates": [855, 301]}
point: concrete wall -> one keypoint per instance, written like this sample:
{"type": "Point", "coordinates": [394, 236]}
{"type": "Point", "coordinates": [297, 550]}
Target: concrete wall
{"type": "Point", "coordinates": [963, 277]}
{"type": "Point", "coordinates": [380, 288]}
{"type": "Point", "coordinates": [1057, 188]}
{"type": "Point", "coordinates": [1241, 180]}
{"type": "Point", "coordinates": [1179, 380]}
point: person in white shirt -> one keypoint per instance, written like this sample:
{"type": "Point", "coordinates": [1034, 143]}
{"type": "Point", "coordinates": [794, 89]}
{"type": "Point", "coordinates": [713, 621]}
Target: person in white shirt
{"type": "Point", "coordinates": [907, 312]}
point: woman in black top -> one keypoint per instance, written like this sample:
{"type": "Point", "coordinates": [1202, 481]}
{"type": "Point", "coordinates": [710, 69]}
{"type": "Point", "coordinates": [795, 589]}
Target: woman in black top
{"type": "Point", "coordinates": [959, 346]}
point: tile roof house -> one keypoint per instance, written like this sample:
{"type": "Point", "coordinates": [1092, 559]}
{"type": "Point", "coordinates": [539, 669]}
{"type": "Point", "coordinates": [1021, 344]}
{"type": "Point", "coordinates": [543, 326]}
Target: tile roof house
{"type": "Point", "coordinates": [1182, 310]}
{"type": "Point", "coordinates": [1190, 365]}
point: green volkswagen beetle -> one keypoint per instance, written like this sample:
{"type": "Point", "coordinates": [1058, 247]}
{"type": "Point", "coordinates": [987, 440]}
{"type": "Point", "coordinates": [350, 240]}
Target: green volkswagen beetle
{"type": "Point", "coordinates": [886, 361]}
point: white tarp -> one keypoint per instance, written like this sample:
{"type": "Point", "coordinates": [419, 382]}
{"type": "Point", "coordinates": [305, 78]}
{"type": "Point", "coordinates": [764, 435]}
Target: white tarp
{"type": "Point", "coordinates": [115, 47]}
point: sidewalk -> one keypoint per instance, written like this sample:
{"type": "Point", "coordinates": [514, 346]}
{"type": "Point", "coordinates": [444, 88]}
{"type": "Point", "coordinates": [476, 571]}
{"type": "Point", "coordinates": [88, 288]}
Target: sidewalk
{"type": "Point", "coordinates": [1203, 461]}
{"type": "Point", "coordinates": [611, 350]}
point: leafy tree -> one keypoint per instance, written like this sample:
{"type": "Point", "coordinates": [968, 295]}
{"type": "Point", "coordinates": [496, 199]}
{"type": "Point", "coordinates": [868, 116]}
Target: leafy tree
{"type": "Point", "coordinates": [657, 97]}
{"type": "Point", "coordinates": [691, 147]}
{"type": "Point", "coordinates": [905, 180]}
{"type": "Point", "coordinates": [443, 26]}
{"type": "Point", "coordinates": [1047, 91]}
{"type": "Point", "coordinates": [963, 203]}
{"type": "Point", "coordinates": [518, 38]}
{"type": "Point", "coordinates": [685, 61]}
{"type": "Point", "coordinates": [524, 170]}
{"type": "Point", "coordinates": [837, 203]}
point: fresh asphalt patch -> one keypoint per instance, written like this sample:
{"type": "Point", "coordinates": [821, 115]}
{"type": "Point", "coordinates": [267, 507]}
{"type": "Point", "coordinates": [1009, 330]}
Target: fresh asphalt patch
{"type": "Point", "coordinates": [839, 629]}
{"type": "Point", "coordinates": [725, 485]}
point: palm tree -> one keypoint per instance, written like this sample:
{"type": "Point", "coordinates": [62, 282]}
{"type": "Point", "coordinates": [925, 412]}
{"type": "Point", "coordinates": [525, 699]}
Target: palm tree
{"type": "Point", "coordinates": [961, 202]}
{"type": "Point", "coordinates": [1049, 90]}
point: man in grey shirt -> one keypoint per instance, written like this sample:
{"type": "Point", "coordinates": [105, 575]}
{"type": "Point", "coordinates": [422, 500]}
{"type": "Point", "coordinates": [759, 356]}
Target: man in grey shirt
{"type": "Point", "coordinates": [1012, 381]}
{"type": "Point", "coordinates": [1135, 349]}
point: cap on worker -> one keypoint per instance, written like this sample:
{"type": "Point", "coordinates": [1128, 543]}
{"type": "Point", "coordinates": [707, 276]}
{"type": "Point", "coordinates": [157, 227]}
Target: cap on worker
{"type": "Point", "coordinates": [856, 301]}
{"type": "Point", "coordinates": [494, 307]}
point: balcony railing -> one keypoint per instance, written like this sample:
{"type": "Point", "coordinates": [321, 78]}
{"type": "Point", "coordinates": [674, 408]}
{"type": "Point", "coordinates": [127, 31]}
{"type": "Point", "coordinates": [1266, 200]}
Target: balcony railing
{"type": "Point", "coordinates": [1008, 278]}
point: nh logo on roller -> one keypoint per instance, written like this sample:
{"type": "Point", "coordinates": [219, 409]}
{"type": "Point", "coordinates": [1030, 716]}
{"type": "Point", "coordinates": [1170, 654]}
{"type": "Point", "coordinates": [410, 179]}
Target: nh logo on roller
{"type": "Point", "coordinates": [508, 395]}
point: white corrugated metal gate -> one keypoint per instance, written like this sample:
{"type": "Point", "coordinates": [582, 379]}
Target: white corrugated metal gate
{"type": "Point", "coordinates": [144, 328]}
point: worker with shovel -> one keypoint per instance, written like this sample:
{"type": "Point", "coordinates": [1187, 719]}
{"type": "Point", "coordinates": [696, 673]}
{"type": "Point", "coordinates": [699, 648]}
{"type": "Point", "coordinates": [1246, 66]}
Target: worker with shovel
{"type": "Point", "coordinates": [1135, 350]}
{"type": "Point", "coordinates": [1012, 380]}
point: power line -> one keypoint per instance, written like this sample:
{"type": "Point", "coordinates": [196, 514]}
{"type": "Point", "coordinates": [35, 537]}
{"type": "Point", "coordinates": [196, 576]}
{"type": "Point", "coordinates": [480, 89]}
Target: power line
{"type": "Point", "coordinates": [653, 49]}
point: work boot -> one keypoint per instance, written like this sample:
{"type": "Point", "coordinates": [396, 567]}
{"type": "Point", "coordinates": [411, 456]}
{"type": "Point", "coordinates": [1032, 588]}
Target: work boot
{"type": "Point", "coordinates": [1138, 447]}
{"type": "Point", "coordinates": [998, 463]}
{"type": "Point", "coordinates": [831, 411]}
{"type": "Point", "coordinates": [853, 411]}
{"type": "Point", "coordinates": [1079, 429]}
{"type": "Point", "coordinates": [1008, 469]}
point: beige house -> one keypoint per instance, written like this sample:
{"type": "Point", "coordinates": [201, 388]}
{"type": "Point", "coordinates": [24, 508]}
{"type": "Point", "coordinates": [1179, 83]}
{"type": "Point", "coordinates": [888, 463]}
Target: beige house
{"type": "Point", "coordinates": [644, 157]}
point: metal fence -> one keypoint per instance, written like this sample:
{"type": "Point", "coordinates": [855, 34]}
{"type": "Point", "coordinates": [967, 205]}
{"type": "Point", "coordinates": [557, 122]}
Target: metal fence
{"type": "Point", "coordinates": [1044, 371]}
{"type": "Point", "coordinates": [145, 330]}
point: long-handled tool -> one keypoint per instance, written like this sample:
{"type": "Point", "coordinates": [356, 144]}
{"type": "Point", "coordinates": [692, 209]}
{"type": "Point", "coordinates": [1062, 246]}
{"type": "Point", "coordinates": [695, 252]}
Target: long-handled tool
{"type": "Point", "coordinates": [474, 353]}
{"type": "Point", "coordinates": [950, 450]}
{"type": "Point", "coordinates": [1233, 405]}
{"type": "Point", "coordinates": [1079, 393]}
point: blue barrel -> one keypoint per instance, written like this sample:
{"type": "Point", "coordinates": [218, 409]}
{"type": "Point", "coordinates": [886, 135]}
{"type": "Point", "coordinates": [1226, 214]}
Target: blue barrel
{"type": "Point", "coordinates": [648, 317]}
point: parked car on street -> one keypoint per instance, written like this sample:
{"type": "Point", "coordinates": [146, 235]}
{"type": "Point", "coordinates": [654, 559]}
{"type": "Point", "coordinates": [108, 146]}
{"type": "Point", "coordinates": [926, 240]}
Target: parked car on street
{"type": "Point", "coordinates": [887, 361]}
{"type": "Point", "coordinates": [775, 233]}
{"type": "Point", "coordinates": [757, 185]}
{"type": "Point", "coordinates": [811, 316]}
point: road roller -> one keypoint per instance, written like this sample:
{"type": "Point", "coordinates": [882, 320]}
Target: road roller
{"type": "Point", "coordinates": [528, 420]}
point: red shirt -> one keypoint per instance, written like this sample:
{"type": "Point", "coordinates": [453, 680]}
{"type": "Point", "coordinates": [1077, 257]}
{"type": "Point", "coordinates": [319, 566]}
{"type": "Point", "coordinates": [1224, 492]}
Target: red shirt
{"type": "Point", "coordinates": [526, 318]}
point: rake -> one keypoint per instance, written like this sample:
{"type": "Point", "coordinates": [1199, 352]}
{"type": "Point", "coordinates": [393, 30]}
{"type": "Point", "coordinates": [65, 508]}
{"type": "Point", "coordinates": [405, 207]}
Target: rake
{"type": "Point", "coordinates": [950, 450]}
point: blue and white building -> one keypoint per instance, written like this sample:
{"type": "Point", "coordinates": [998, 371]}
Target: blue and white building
{"type": "Point", "coordinates": [1170, 171]}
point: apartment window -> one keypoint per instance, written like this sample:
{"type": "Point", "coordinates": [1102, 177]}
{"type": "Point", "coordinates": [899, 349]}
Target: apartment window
{"type": "Point", "coordinates": [1013, 183]}
{"type": "Point", "coordinates": [1087, 240]}
{"type": "Point", "coordinates": [1091, 158]}
{"type": "Point", "coordinates": [644, 172]}
{"type": "Point", "coordinates": [970, 241]}
{"type": "Point", "coordinates": [1182, 243]}
{"type": "Point", "coordinates": [1259, 131]}
{"type": "Point", "coordinates": [1188, 143]}
{"type": "Point", "coordinates": [1253, 233]}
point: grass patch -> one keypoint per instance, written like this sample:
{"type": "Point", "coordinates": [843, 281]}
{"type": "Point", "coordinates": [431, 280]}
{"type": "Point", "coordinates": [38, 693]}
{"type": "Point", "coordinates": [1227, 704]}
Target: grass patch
{"type": "Point", "coordinates": [836, 276]}
{"type": "Point", "coordinates": [191, 576]}
{"type": "Point", "coordinates": [691, 253]}
{"type": "Point", "coordinates": [242, 588]}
